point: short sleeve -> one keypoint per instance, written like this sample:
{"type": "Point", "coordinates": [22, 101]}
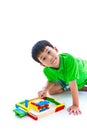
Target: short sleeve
{"type": "Point", "coordinates": [71, 68]}
{"type": "Point", "coordinates": [50, 74]}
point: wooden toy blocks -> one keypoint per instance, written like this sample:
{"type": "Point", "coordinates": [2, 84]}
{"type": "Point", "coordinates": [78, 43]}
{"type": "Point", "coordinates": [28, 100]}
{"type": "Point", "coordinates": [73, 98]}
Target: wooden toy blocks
{"type": "Point", "coordinates": [37, 108]}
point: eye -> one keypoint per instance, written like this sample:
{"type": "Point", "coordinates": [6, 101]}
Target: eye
{"type": "Point", "coordinates": [48, 52]}
{"type": "Point", "coordinates": [43, 58]}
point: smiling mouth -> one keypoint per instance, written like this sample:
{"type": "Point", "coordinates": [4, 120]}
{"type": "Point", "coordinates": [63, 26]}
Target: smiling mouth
{"type": "Point", "coordinates": [53, 61]}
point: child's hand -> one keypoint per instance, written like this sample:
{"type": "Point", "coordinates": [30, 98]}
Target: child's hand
{"type": "Point", "coordinates": [74, 110]}
{"type": "Point", "coordinates": [42, 93]}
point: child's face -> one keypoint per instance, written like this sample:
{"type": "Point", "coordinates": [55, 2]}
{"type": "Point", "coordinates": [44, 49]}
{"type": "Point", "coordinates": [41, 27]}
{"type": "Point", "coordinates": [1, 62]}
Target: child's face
{"type": "Point", "coordinates": [49, 57]}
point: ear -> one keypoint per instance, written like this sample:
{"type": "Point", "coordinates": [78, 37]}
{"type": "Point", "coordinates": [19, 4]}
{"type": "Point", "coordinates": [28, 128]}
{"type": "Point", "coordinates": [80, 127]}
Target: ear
{"type": "Point", "coordinates": [55, 48]}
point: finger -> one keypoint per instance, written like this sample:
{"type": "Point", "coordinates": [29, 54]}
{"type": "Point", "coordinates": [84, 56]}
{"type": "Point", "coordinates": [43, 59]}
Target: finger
{"type": "Point", "coordinates": [78, 112]}
{"type": "Point", "coordinates": [71, 111]}
{"type": "Point", "coordinates": [68, 109]}
{"type": "Point", "coordinates": [75, 112]}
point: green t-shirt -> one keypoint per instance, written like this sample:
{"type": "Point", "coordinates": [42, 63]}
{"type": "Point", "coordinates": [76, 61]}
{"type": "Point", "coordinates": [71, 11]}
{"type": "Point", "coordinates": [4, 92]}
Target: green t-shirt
{"type": "Point", "coordinates": [70, 69]}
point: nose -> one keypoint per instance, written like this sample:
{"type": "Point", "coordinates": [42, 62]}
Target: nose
{"type": "Point", "coordinates": [49, 57]}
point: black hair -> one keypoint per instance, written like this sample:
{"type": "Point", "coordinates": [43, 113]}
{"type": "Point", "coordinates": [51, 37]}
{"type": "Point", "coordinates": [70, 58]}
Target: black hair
{"type": "Point", "coordinates": [39, 47]}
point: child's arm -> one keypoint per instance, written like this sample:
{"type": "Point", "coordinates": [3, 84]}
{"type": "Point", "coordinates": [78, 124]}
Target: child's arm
{"type": "Point", "coordinates": [51, 88]}
{"type": "Point", "coordinates": [43, 92]}
{"type": "Point", "coordinates": [75, 97]}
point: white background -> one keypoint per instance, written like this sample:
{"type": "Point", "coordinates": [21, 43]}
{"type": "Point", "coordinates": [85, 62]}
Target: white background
{"type": "Point", "coordinates": [22, 24]}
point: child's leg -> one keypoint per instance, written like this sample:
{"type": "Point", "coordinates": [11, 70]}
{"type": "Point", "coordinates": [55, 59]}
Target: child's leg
{"type": "Point", "coordinates": [84, 88]}
{"type": "Point", "coordinates": [55, 88]}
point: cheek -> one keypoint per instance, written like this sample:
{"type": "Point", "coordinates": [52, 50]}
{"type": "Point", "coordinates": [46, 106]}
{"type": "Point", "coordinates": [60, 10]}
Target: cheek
{"type": "Point", "coordinates": [45, 63]}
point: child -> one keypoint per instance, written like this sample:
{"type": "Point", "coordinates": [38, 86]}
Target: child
{"type": "Point", "coordinates": [63, 71]}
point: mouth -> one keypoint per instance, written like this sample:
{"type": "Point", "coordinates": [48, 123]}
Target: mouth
{"type": "Point", "coordinates": [53, 61]}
